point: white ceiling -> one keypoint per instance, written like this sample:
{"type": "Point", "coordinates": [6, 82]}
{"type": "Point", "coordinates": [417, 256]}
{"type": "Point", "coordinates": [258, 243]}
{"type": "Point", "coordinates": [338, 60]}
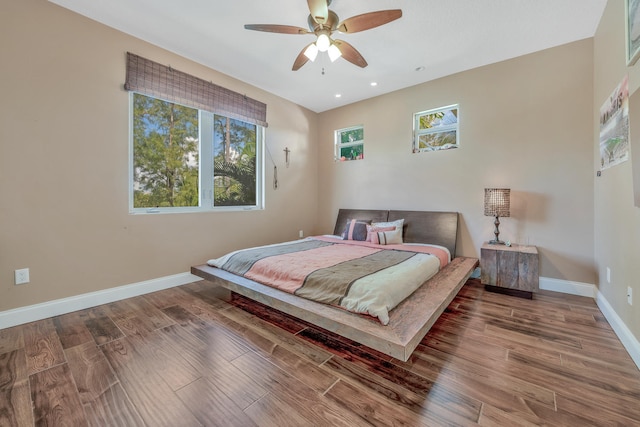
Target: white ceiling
{"type": "Point", "coordinates": [443, 36]}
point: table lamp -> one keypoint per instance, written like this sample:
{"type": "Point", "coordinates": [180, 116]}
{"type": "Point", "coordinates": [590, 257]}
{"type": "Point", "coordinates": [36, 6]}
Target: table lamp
{"type": "Point", "coordinates": [497, 204]}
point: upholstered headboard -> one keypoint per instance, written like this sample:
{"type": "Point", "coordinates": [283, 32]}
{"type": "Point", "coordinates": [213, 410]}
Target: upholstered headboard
{"type": "Point", "coordinates": [437, 228]}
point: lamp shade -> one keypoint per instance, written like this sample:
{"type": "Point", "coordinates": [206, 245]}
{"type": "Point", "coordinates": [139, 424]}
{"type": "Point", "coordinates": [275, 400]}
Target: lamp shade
{"type": "Point", "coordinates": [497, 202]}
{"type": "Point", "coordinates": [311, 52]}
{"type": "Point", "coordinates": [323, 42]}
{"type": "Point", "coordinates": [334, 53]}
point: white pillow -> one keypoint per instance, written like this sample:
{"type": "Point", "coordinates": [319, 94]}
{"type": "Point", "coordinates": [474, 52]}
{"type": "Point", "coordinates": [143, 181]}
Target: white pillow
{"type": "Point", "coordinates": [398, 224]}
{"type": "Point", "coordinates": [390, 237]}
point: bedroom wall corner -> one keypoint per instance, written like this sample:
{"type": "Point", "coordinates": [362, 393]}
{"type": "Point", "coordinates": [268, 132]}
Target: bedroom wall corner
{"type": "Point", "coordinates": [617, 220]}
{"type": "Point", "coordinates": [525, 123]}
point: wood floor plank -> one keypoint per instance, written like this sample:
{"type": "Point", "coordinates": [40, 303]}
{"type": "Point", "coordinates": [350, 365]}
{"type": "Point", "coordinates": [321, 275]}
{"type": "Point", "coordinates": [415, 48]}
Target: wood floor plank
{"type": "Point", "coordinates": [453, 332]}
{"type": "Point", "coordinates": [619, 397]}
{"type": "Point", "coordinates": [15, 398]}
{"type": "Point", "coordinates": [211, 364]}
{"type": "Point", "coordinates": [494, 417]}
{"type": "Point", "coordinates": [436, 370]}
{"type": "Point", "coordinates": [229, 346]}
{"type": "Point", "coordinates": [71, 330]}
{"type": "Point", "coordinates": [490, 375]}
{"type": "Point", "coordinates": [266, 313]}
{"type": "Point", "coordinates": [112, 408]}
{"type": "Point", "coordinates": [156, 403]}
{"type": "Point", "coordinates": [56, 401]}
{"type": "Point", "coordinates": [340, 346]}
{"type": "Point", "coordinates": [373, 409]}
{"type": "Point", "coordinates": [166, 361]}
{"type": "Point", "coordinates": [148, 313]}
{"type": "Point", "coordinates": [312, 404]}
{"type": "Point", "coordinates": [103, 329]}
{"type": "Point", "coordinates": [593, 413]}
{"type": "Point", "coordinates": [437, 402]}
{"type": "Point", "coordinates": [11, 339]}
{"type": "Point", "coordinates": [211, 406]}
{"type": "Point", "coordinates": [91, 371]}
{"type": "Point", "coordinates": [42, 345]}
{"type": "Point", "coordinates": [275, 334]}
{"type": "Point", "coordinates": [214, 296]}
{"type": "Point", "coordinates": [271, 411]}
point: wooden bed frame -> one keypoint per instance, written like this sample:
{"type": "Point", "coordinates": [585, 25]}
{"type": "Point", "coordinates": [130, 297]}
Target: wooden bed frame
{"type": "Point", "coordinates": [409, 321]}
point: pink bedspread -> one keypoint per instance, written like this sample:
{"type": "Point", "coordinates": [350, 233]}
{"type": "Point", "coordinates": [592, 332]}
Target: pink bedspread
{"type": "Point", "coordinates": [358, 276]}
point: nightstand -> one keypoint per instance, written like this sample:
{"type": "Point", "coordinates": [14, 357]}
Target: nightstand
{"type": "Point", "coordinates": [511, 270]}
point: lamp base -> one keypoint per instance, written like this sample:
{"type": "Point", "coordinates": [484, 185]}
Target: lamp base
{"type": "Point", "coordinates": [496, 242]}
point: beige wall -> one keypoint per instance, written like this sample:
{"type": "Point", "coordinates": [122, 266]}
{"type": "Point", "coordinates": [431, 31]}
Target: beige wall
{"type": "Point", "coordinates": [525, 124]}
{"type": "Point", "coordinates": [64, 120]}
{"type": "Point", "coordinates": [617, 221]}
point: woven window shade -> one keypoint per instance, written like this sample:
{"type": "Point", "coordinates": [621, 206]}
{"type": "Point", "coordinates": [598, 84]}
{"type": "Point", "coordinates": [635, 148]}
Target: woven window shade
{"type": "Point", "coordinates": [160, 81]}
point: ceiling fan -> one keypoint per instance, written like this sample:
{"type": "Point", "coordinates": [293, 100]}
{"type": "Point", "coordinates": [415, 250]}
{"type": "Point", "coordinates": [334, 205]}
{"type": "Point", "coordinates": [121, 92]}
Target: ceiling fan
{"type": "Point", "coordinates": [323, 23]}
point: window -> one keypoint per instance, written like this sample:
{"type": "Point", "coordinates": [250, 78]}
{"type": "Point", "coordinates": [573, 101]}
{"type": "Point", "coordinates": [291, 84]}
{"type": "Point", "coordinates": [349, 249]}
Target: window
{"type": "Point", "coordinates": [185, 159]}
{"type": "Point", "coordinates": [349, 143]}
{"type": "Point", "coordinates": [436, 129]}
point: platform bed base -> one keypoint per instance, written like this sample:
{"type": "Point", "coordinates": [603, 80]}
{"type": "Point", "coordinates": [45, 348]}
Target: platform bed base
{"type": "Point", "coordinates": [409, 322]}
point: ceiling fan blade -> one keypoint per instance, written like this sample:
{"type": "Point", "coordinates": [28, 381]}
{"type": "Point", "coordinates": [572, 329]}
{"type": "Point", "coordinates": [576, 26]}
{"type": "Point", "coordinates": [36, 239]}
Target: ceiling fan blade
{"type": "Point", "coordinates": [282, 29]}
{"type": "Point", "coordinates": [368, 20]}
{"type": "Point", "coordinates": [319, 10]}
{"type": "Point", "coordinates": [301, 59]}
{"type": "Point", "coordinates": [350, 53]}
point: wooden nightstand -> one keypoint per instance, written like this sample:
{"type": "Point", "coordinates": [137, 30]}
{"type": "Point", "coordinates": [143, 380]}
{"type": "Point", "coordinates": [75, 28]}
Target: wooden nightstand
{"type": "Point", "coordinates": [512, 270]}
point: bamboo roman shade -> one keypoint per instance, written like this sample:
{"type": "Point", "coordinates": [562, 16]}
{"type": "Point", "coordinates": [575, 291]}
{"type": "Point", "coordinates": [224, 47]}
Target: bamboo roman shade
{"type": "Point", "coordinates": [161, 81]}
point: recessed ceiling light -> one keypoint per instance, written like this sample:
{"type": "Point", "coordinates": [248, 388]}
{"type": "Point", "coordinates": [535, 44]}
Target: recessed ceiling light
{"type": "Point", "coordinates": [420, 68]}
{"type": "Point", "coordinates": [338, 95]}
{"type": "Point", "coordinates": [374, 83]}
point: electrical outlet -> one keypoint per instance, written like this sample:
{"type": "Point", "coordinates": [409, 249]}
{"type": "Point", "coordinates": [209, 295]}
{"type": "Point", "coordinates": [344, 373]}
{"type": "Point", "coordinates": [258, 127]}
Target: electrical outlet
{"type": "Point", "coordinates": [629, 295]}
{"type": "Point", "coordinates": [301, 233]}
{"type": "Point", "coordinates": [22, 276]}
{"type": "Point", "coordinates": [608, 275]}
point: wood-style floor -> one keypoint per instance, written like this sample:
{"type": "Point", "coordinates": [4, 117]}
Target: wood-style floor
{"type": "Point", "coordinates": [184, 356]}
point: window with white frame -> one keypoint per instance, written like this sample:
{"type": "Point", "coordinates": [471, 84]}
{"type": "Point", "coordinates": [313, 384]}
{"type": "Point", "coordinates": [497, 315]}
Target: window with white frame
{"type": "Point", "coordinates": [349, 143]}
{"type": "Point", "coordinates": [194, 145]}
{"type": "Point", "coordinates": [185, 159]}
{"type": "Point", "coordinates": [436, 129]}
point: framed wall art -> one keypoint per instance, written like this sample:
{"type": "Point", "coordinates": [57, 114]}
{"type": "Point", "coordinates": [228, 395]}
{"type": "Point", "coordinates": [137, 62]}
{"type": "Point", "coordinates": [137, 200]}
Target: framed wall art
{"type": "Point", "coordinates": [614, 127]}
{"type": "Point", "coordinates": [632, 24]}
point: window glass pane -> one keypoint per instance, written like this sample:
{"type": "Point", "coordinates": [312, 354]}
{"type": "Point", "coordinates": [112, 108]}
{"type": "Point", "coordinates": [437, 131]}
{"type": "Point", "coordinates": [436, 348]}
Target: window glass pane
{"type": "Point", "coordinates": [439, 119]}
{"type": "Point", "coordinates": [437, 141]}
{"type": "Point", "coordinates": [351, 135]}
{"type": "Point", "coordinates": [355, 152]}
{"type": "Point", "coordinates": [165, 154]}
{"type": "Point", "coordinates": [234, 151]}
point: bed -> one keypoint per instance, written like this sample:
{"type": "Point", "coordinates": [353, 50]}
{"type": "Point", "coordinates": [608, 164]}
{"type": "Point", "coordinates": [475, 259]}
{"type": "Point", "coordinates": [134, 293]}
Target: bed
{"type": "Point", "coordinates": [408, 322]}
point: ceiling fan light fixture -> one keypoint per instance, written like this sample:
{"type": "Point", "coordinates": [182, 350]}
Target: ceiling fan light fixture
{"type": "Point", "coordinates": [334, 53]}
{"type": "Point", "coordinates": [311, 52]}
{"type": "Point", "coordinates": [323, 42]}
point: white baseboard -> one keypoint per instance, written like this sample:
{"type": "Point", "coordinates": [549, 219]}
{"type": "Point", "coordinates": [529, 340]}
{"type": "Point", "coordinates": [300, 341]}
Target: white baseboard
{"type": "Point", "coordinates": [629, 341]}
{"type": "Point", "coordinates": [568, 287]}
{"type": "Point", "coordinates": [35, 312]}
{"type": "Point", "coordinates": [627, 338]}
